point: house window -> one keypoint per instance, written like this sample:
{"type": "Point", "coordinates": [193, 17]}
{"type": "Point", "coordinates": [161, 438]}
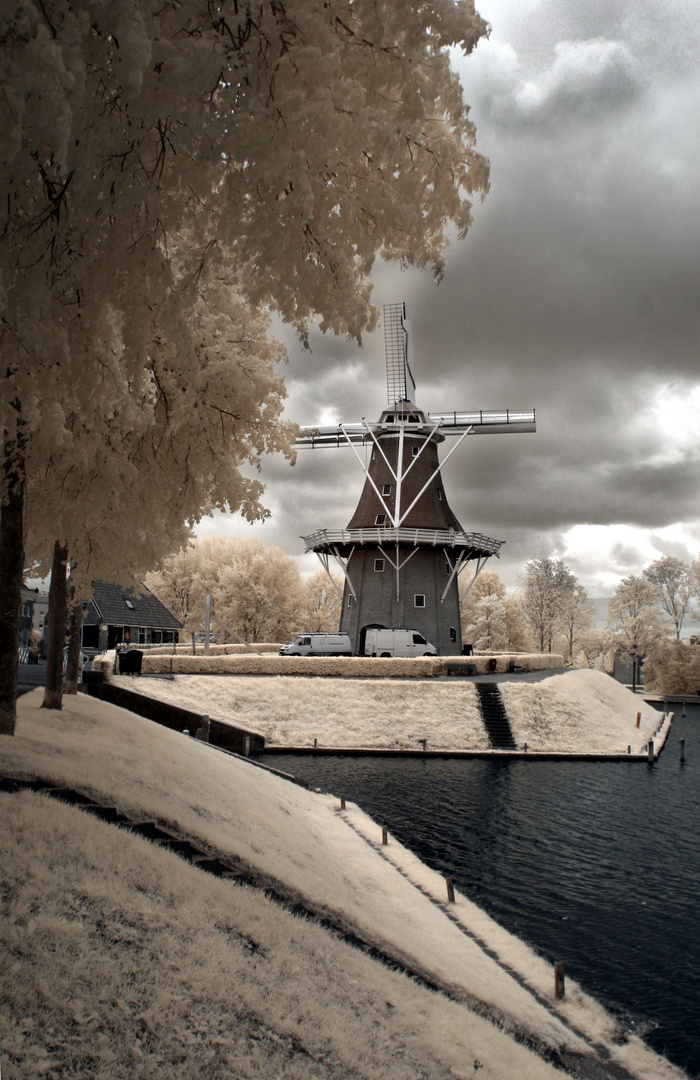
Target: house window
{"type": "Point", "coordinates": [386, 489]}
{"type": "Point", "coordinates": [419, 599]}
{"type": "Point", "coordinates": [379, 566]}
{"type": "Point", "coordinates": [453, 634]}
{"type": "Point", "coordinates": [380, 519]}
{"type": "Point", "coordinates": [142, 635]}
{"type": "Point", "coordinates": [157, 637]}
{"type": "Point", "coordinates": [129, 604]}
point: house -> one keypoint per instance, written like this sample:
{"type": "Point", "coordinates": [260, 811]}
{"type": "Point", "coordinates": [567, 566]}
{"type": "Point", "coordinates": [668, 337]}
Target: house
{"type": "Point", "coordinates": [117, 615]}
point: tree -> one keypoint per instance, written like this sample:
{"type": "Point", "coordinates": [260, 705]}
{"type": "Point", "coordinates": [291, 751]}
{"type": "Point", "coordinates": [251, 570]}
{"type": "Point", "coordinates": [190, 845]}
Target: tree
{"type": "Point", "coordinates": [633, 618]}
{"type": "Point", "coordinates": [484, 612]}
{"type": "Point", "coordinates": [256, 590]}
{"type": "Point", "coordinates": [323, 603]}
{"type": "Point", "coordinates": [673, 588]}
{"type": "Point", "coordinates": [672, 667]}
{"type": "Point", "coordinates": [546, 593]}
{"type": "Point", "coordinates": [154, 157]}
{"type": "Point", "coordinates": [576, 615]}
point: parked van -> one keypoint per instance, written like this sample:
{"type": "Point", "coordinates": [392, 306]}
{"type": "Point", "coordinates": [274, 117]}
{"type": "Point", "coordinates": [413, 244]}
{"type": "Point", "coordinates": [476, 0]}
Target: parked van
{"type": "Point", "coordinates": [397, 643]}
{"type": "Point", "coordinates": [318, 645]}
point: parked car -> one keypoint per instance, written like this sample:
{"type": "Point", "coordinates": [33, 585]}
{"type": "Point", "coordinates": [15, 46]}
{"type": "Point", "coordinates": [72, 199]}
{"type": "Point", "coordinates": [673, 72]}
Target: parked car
{"type": "Point", "coordinates": [318, 645]}
{"type": "Point", "coordinates": [397, 643]}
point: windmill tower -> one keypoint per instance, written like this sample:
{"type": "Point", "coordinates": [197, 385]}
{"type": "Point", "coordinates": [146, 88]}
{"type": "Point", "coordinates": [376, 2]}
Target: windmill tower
{"type": "Point", "coordinates": [404, 550]}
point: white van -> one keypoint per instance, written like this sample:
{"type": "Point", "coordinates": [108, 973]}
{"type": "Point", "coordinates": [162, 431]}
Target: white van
{"type": "Point", "coordinates": [318, 645]}
{"type": "Point", "coordinates": [397, 643]}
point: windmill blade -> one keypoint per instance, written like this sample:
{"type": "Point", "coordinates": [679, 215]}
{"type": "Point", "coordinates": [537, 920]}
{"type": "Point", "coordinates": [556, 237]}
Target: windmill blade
{"type": "Point", "coordinates": [398, 347]}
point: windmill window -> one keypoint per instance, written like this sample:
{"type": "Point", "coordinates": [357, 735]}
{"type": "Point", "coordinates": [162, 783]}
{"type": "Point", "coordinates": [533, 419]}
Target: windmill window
{"type": "Point", "coordinates": [390, 418]}
{"type": "Point", "coordinates": [439, 495]}
{"type": "Point", "coordinates": [379, 566]}
{"type": "Point", "coordinates": [453, 634]}
{"type": "Point", "coordinates": [415, 451]}
{"type": "Point", "coordinates": [349, 599]}
{"type": "Point", "coordinates": [419, 599]}
{"type": "Point", "coordinates": [380, 519]}
{"type": "Point", "coordinates": [386, 489]}
{"type": "Point", "coordinates": [448, 569]}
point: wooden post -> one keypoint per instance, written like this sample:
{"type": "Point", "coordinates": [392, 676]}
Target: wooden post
{"type": "Point", "coordinates": [315, 743]}
{"type": "Point", "coordinates": [246, 746]}
{"type": "Point", "coordinates": [682, 751]}
{"type": "Point", "coordinates": [559, 980]}
{"type": "Point", "coordinates": [450, 890]}
{"type": "Point", "coordinates": [342, 802]}
{"type": "Point", "coordinates": [650, 750]}
{"type": "Point", "coordinates": [639, 718]}
{"type": "Point", "coordinates": [385, 835]}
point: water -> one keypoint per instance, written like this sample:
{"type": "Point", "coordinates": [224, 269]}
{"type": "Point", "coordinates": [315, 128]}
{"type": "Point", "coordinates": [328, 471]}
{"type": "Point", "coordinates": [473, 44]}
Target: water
{"type": "Point", "coordinates": [595, 864]}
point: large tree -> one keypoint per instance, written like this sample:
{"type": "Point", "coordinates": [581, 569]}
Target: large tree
{"type": "Point", "coordinates": [256, 590]}
{"type": "Point", "coordinates": [156, 156]}
{"type": "Point", "coordinates": [673, 587]}
{"type": "Point", "coordinates": [545, 597]}
{"type": "Point", "coordinates": [633, 617]}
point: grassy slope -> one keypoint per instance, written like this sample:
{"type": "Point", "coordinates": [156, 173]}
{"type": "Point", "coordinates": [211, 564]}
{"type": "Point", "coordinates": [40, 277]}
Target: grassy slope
{"type": "Point", "coordinates": [581, 711]}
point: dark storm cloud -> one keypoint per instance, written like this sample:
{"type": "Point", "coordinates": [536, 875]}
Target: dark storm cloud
{"type": "Point", "coordinates": [575, 292]}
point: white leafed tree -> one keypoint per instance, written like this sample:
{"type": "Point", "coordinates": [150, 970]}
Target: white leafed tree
{"type": "Point", "coordinates": [633, 617]}
{"type": "Point", "coordinates": [673, 587]}
{"type": "Point", "coordinates": [545, 597]}
{"type": "Point", "coordinates": [323, 602]}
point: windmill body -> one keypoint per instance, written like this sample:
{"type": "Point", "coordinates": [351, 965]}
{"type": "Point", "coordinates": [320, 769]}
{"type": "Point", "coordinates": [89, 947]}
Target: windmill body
{"type": "Point", "coordinates": [403, 551]}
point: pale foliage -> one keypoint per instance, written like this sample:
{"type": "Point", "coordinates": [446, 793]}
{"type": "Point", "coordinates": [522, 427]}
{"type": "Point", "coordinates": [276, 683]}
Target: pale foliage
{"type": "Point", "coordinates": [162, 163]}
{"type": "Point", "coordinates": [672, 667]}
{"type": "Point", "coordinates": [484, 615]}
{"type": "Point", "coordinates": [575, 616]}
{"type": "Point", "coordinates": [673, 587]}
{"type": "Point", "coordinates": [633, 619]}
{"type": "Point", "coordinates": [546, 599]}
{"type": "Point", "coordinates": [323, 603]}
{"type": "Point", "coordinates": [256, 590]}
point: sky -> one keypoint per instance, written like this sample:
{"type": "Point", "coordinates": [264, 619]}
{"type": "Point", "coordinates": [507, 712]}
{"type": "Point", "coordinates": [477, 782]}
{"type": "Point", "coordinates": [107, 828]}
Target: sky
{"type": "Point", "coordinates": [576, 292]}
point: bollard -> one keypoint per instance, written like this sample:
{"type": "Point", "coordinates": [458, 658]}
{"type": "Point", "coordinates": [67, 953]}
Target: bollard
{"type": "Point", "coordinates": [650, 750]}
{"type": "Point", "coordinates": [170, 672]}
{"type": "Point", "coordinates": [342, 802]}
{"type": "Point", "coordinates": [682, 751]}
{"type": "Point", "coordinates": [559, 980]}
{"type": "Point", "coordinates": [186, 731]}
{"type": "Point", "coordinates": [629, 749]}
{"type": "Point", "coordinates": [315, 743]}
{"type": "Point", "coordinates": [525, 748]}
{"type": "Point", "coordinates": [639, 718]}
{"type": "Point", "coordinates": [385, 835]}
{"type": "Point", "coordinates": [424, 743]}
{"type": "Point", "coordinates": [246, 746]}
{"type": "Point", "coordinates": [450, 890]}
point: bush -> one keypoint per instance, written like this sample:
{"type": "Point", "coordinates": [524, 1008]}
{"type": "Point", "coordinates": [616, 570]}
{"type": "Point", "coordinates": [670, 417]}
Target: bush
{"type": "Point", "coordinates": [673, 667]}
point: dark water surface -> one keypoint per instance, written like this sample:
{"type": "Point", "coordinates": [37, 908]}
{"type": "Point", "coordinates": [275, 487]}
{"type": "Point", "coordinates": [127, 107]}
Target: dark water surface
{"type": "Point", "coordinates": [593, 863]}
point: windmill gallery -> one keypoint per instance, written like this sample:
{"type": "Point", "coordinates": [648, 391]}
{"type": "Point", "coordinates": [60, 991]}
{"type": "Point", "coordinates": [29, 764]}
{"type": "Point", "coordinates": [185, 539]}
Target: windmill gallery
{"type": "Point", "coordinates": [403, 551]}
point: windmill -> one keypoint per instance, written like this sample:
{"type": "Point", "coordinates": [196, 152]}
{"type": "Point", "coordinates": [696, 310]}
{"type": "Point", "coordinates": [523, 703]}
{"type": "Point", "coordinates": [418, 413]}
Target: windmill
{"type": "Point", "coordinates": [404, 550]}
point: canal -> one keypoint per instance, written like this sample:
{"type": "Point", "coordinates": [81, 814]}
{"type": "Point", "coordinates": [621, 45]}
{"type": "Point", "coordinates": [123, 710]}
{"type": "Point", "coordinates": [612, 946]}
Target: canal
{"type": "Point", "coordinates": [593, 863]}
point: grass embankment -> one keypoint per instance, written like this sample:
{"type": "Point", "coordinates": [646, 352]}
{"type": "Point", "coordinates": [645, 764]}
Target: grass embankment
{"type": "Point", "coordinates": [578, 712]}
{"type": "Point", "coordinates": [120, 961]}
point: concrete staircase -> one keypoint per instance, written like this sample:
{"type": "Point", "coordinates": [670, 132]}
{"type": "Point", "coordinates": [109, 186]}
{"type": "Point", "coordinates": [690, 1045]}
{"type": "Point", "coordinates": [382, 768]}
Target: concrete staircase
{"type": "Point", "coordinates": [495, 717]}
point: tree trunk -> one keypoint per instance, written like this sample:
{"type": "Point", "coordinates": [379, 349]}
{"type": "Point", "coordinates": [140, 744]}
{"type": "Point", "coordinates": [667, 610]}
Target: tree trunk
{"type": "Point", "coordinates": [75, 640]}
{"type": "Point", "coordinates": [58, 610]}
{"type": "Point", "coordinates": [11, 573]}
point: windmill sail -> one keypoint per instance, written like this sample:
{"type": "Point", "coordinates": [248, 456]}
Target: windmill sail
{"type": "Point", "coordinates": [398, 345]}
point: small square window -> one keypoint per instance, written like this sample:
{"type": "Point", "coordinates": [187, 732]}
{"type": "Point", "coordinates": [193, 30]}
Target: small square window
{"type": "Point", "coordinates": [379, 566]}
{"type": "Point", "coordinates": [386, 489]}
{"type": "Point", "coordinates": [349, 599]}
{"type": "Point", "coordinates": [419, 599]}
{"type": "Point", "coordinates": [380, 519]}
{"type": "Point", "coordinates": [129, 604]}
{"type": "Point", "coordinates": [448, 570]}
{"type": "Point", "coordinates": [439, 495]}
{"type": "Point", "coordinates": [415, 450]}
{"type": "Point", "coordinates": [453, 634]}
